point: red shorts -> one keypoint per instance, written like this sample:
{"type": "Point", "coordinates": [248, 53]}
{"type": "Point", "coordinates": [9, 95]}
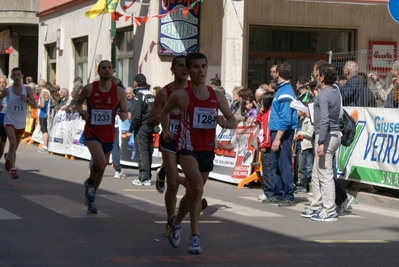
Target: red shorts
{"type": "Point", "coordinates": [16, 131]}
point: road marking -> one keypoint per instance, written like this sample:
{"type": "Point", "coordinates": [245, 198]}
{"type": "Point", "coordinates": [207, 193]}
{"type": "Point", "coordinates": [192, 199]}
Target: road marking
{"type": "Point", "coordinates": [6, 215]}
{"type": "Point", "coordinates": [224, 206]}
{"type": "Point", "coordinates": [139, 203]}
{"type": "Point", "coordinates": [351, 241]}
{"type": "Point", "coordinates": [186, 222]}
{"type": "Point", "coordinates": [139, 190]}
{"type": "Point", "coordinates": [64, 206]}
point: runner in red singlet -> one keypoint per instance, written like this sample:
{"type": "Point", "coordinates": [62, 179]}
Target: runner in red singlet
{"type": "Point", "coordinates": [196, 141]}
{"type": "Point", "coordinates": [104, 101]}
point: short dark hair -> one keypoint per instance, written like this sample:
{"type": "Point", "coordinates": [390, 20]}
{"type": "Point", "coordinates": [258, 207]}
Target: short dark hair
{"type": "Point", "coordinates": [284, 70]}
{"type": "Point", "coordinates": [329, 73]}
{"type": "Point", "coordinates": [103, 61]}
{"type": "Point", "coordinates": [194, 56]}
{"type": "Point", "coordinates": [176, 58]}
{"type": "Point", "coordinates": [16, 69]}
{"type": "Point", "coordinates": [303, 80]}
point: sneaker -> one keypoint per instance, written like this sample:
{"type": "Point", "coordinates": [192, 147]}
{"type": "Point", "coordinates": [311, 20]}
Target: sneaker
{"type": "Point", "coordinates": [90, 192]}
{"type": "Point", "coordinates": [204, 203]}
{"type": "Point", "coordinates": [167, 229]}
{"type": "Point", "coordinates": [286, 203]}
{"type": "Point", "coordinates": [346, 204]}
{"type": "Point", "coordinates": [91, 207]}
{"type": "Point", "coordinates": [175, 233]}
{"type": "Point", "coordinates": [42, 150]}
{"type": "Point", "coordinates": [14, 174]}
{"type": "Point", "coordinates": [160, 181]}
{"type": "Point", "coordinates": [262, 196]}
{"type": "Point", "coordinates": [120, 175]}
{"type": "Point", "coordinates": [194, 247]}
{"type": "Point", "coordinates": [321, 217]}
{"type": "Point", "coordinates": [300, 190]}
{"type": "Point", "coordinates": [271, 200]}
{"type": "Point", "coordinates": [8, 163]}
{"type": "Point", "coordinates": [144, 183]}
{"type": "Point", "coordinates": [308, 213]}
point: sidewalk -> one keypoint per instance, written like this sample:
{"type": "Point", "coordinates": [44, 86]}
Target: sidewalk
{"type": "Point", "coordinates": [383, 197]}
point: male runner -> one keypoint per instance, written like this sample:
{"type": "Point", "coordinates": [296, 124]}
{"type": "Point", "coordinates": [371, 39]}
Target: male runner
{"type": "Point", "coordinates": [104, 100]}
{"type": "Point", "coordinates": [19, 97]}
{"type": "Point", "coordinates": [196, 143]}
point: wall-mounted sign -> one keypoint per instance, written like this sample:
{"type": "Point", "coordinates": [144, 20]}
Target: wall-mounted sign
{"type": "Point", "coordinates": [381, 56]}
{"type": "Point", "coordinates": [393, 8]}
{"type": "Point", "coordinates": [178, 27]}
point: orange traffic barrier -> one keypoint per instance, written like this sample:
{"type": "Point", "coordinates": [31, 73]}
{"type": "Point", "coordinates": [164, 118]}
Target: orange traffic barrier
{"type": "Point", "coordinates": [256, 173]}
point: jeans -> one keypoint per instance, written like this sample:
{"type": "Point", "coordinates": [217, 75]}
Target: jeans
{"type": "Point", "coordinates": [269, 185]}
{"type": "Point", "coordinates": [305, 167]}
{"type": "Point", "coordinates": [282, 166]}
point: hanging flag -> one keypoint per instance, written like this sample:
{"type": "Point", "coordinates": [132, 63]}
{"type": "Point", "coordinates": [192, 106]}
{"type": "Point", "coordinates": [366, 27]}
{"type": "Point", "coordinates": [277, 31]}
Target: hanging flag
{"type": "Point", "coordinates": [102, 7]}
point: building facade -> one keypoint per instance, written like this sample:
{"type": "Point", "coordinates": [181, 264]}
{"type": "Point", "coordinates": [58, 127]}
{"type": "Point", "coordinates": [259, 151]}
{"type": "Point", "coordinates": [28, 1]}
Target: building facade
{"type": "Point", "coordinates": [18, 36]}
{"type": "Point", "coordinates": [242, 39]}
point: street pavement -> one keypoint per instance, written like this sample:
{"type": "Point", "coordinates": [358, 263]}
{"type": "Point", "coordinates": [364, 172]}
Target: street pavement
{"type": "Point", "coordinates": [43, 222]}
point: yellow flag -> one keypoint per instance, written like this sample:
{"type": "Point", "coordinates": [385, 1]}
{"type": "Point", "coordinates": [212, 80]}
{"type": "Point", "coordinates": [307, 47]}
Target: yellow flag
{"type": "Point", "coordinates": [102, 7]}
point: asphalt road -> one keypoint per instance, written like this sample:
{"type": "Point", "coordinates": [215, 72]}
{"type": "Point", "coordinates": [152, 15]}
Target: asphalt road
{"type": "Point", "coordinates": [43, 222]}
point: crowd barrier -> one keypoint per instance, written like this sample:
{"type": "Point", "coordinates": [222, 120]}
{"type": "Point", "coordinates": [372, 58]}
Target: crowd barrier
{"type": "Point", "coordinates": [372, 158]}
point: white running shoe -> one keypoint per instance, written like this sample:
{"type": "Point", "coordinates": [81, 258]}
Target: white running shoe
{"type": "Point", "coordinates": [120, 175]}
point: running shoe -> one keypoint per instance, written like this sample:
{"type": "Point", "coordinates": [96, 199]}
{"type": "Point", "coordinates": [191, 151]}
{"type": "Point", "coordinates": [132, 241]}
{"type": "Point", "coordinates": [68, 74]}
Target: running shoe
{"type": "Point", "coordinates": [308, 213]}
{"type": "Point", "coordinates": [143, 183]}
{"type": "Point", "coordinates": [175, 233]}
{"type": "Point", "coordinates": [262, 196]}
{"type": "Point", "coordinates": [8, 163]}
{"type": "Point", "coordinates": [42, 151]}
{"type": "Point", "coordinates": [321, 217]}
{"type": "Point", "coordinates": [91, 207]}
{"type": "Point", "coordinates": [167, 229]}
{"type": "Point", "coordinates": [120, 175]}
{"type": "Point", "coordinates": [204, 203]}
{"type": "Point", "coordinates": [14, 174]}
{"type": "Point", "coordinates": [194, 247]}
{"type": "Point", "coordinates": [89, 192]}
{"type": "Point", "coordinates": [160, 181]}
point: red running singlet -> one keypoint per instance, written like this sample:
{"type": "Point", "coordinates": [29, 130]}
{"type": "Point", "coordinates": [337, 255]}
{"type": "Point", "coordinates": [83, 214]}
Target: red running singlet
{"type": "Point", "coordinates": [102, 110]}
{"type": "Point", "coordinates": [197, 128]}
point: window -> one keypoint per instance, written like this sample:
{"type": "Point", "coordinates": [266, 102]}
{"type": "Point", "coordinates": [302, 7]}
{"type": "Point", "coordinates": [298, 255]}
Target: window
{"type": "Point", "coordinates": [81, 58]}
{"type": "Point", "coordinates": [299, 47]}
{"type": "Point", "coordinates": [51, 62]}
{"type": "Point", "coordinates": [124, 55]}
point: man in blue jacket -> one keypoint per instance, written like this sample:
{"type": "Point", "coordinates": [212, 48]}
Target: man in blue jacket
{"type": "Point", "coordinates": [282, 124]}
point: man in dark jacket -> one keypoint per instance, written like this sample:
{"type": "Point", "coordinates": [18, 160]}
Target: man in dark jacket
{"type": "Point", "coordinates": [140, 109]}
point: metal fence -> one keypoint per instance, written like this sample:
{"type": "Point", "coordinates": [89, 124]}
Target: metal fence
{"type": "Point", "coordinates": [376, 61]}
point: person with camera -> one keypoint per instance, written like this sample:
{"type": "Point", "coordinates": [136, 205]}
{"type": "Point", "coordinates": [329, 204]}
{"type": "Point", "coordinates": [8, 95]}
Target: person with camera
{"type": "Point", "coordinates": [389, 96]}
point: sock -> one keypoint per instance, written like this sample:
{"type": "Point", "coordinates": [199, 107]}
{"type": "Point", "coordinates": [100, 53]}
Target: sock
{"type": "Point", "coordinates": [90, 181]}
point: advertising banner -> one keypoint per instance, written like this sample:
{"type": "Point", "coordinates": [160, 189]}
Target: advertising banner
{"type": "Point", "coordinates": [373, 156]}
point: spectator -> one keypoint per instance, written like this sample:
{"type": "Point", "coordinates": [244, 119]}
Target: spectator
{"type": "Point", "coordinates": [387, 95]}
{"type": "Point", "coordinates": [141, 108]}
{"type": "Point", "coordinates": [327, 108]}
{"type": "Point", "coordinates": [221, 89]}
{"type": "Point", "coordinates": [302, 89]}
{"type": "Point", "coordinates": [282, 124]}
{"type": "Point", "coordinates": [264, 144]}
{"type": "Point", "coordinates": [249, 109]}
{"type": "Point", "coordinates": [64, 99]}
{"type": "Point", "coordinates": [235, 104]}
{"type": "Point", "coordinates": [155, 90]}
{"type": "Point", "coordinates": [351, 88]}
{"type": "Point", "coordinates": [304, 139]}
{"type": "Point", "coordinates": [368, 95]}
{"type": "Point", "coordinates": [28, 80]}
{"type": "Point", "coordinates": [259, 93]}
